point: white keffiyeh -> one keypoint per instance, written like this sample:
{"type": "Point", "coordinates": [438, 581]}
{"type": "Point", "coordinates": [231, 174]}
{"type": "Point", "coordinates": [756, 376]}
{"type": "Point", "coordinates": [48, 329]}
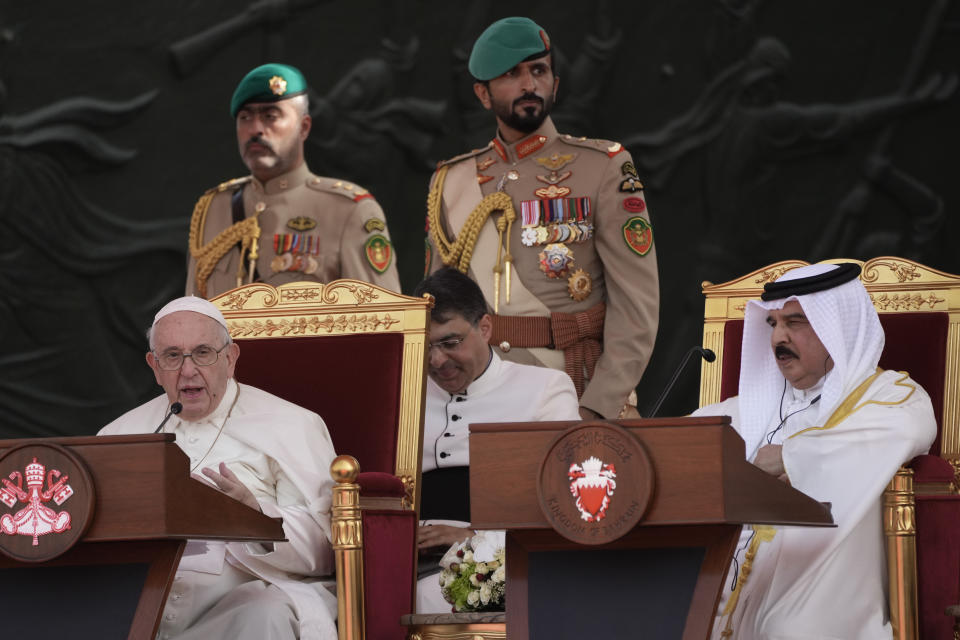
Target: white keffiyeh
{"type": "Point", "coordinates": [847, 324]}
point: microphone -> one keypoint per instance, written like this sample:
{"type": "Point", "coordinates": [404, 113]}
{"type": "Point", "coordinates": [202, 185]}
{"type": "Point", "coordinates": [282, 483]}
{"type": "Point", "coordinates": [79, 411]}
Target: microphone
{"type": "Point", "coordinates": [176, 407]}
{"type": "Point", "coordinates": [706, 354]}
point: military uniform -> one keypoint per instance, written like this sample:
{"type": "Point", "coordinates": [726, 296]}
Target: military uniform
{"type": "Point", "coordinates": [579, 255]}
{"type": "Point", "coordinates": [311, 228]}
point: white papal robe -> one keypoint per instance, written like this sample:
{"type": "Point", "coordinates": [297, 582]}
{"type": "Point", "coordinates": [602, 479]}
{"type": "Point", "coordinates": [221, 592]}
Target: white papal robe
{"type": "Point", "coordinates": [806, 583]}
{"type": "Point", "coordinates": [282, 453]}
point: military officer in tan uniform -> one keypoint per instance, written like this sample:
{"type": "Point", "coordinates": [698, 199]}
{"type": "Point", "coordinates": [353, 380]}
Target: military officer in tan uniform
{"type": "Point", "coordinates": [282, 223]}
{"type": "Point", "coordinates": [554, 229]}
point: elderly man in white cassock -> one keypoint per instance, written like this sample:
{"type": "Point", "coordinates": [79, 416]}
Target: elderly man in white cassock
{"type": "Point", "coordinates": [259, 449]}
{"type": "Point", "coordinates": [817, 413]}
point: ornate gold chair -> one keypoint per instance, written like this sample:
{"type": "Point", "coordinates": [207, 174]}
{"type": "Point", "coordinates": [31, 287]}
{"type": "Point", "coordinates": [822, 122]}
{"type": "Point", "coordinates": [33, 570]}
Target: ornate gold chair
{"type": "Point", "coordinates": [354, 353]}
{"type": "Point", "coordinates": [919, 309]}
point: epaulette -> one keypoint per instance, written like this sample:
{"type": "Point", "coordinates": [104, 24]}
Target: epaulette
{"type": "Point", "coordinates": [199, 218]}
{"type": "Point", "coordinates": [229, 184]}
{"type": "Point", "coordinates": [604, 146]}
{"type": "Point", "coordinates": [464, 156]}
{"type": "Point", "coordinates": [339, 187]}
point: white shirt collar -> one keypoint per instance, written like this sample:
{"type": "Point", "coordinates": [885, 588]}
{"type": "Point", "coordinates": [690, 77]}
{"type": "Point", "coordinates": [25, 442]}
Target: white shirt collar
{"type": "Point", "coordinates": [486, 380]}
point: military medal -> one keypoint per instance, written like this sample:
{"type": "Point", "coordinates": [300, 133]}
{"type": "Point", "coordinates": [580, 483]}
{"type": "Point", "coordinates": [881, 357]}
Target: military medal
{"type": "Point", "coordinates": [556, 259]}
{"type": "Point", "coordinates": [579, 285]}
{"type": "Point", "coordinates": [638, 235]}
{"type": "Point", "coordinates": [528, 237]}
{"type": "Point", "coordinates": [513, 175]}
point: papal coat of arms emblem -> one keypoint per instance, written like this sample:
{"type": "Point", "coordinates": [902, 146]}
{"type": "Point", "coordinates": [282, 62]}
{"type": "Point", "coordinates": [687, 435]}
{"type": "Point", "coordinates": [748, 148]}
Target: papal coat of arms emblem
{"type": "Point", "coordinates": [35, 519]}
{"type": "Point", "coordinates": [592, 483]}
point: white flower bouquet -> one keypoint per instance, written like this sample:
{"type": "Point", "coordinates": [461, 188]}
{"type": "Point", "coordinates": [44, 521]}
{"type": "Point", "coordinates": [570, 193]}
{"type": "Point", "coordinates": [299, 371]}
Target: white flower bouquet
{"type": "Point", "coordinates": [474, 573]}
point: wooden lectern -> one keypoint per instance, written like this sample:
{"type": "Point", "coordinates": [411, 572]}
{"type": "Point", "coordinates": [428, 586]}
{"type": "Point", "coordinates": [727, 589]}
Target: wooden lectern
{"type": "Point", "coordinates": [113, 582]}
{"type": "Point", "coordinates": [651, 560]}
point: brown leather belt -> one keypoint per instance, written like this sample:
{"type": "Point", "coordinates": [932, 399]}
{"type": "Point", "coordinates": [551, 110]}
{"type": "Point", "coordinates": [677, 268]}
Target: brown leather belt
{"type": "Point", "coordinates": [579, 335]}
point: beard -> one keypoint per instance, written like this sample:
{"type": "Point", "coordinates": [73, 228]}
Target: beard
{"type": "Point", "coordinates": [527, 119]}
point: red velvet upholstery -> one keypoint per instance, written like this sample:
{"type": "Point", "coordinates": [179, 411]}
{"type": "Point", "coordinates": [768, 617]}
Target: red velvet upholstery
{"type": "Point", "coordinates": [322, 375]}
{"type": "Point", "coordinates": [915, 343]}
{"type": "Point", "coordinates": [938, 562]}
{"type": "Point", "coordinates": [362, 418]}
{"type": "Point", "coordinates": [380, 485]}
{"type": "Point", "coordinates": [386, 593]}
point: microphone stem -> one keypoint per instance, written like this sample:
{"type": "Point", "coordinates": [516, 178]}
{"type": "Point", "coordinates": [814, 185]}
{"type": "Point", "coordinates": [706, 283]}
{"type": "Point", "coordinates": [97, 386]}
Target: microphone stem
{"type": "Point", "coordinates": [673, 380]}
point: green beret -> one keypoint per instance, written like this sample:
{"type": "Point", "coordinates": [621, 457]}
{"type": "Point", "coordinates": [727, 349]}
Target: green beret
{"type": "Point", "coordinates": [504, 44]}
{"type": "Point", "coordinates": [268, 83]}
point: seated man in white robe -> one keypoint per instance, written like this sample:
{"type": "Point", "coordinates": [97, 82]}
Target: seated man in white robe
{"type": "Point", "coordinates": [817, 413]}
{"type": "Point", "coordinates": [469, 383]}
{"type": "Point", "coordinates": [259, 449]}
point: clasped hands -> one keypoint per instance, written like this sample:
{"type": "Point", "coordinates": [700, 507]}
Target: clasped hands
{"type": "Point", "coordinates": [770, 459]}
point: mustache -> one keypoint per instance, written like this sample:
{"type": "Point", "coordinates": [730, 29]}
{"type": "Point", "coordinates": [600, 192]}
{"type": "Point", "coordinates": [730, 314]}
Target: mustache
{"type": "Point", "coordinates": [528, 96]}
{"type": "Point", "coordinates": [260, 141]}
{"type": "Point", "coordinates": [781, 350]}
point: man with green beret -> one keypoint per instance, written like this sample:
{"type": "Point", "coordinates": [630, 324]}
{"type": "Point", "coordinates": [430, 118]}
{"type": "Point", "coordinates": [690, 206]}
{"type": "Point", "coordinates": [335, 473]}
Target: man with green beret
{"type": "Point", "coordinates": [282, 223]}
{"type": "Point", "coordinates": [554, 229]}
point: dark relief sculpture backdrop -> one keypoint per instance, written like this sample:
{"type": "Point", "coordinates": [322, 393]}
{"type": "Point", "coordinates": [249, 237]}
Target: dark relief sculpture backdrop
{"type": "Point", "coordinates": [762, 130]}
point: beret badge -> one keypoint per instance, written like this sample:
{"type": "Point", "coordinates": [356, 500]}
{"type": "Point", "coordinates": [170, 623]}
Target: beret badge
{"type": "Point", "coordinates": [278, 85]}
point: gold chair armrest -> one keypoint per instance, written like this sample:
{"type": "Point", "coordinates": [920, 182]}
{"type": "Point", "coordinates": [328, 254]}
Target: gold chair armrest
{"type": "Point", "coordinates": [900, 530]}
{"type": "Point", "coordinates": [347, 531]}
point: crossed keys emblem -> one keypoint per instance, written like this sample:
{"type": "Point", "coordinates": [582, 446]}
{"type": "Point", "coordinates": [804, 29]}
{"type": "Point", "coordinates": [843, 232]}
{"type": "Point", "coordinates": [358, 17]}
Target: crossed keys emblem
{"type": "Point", "coordinates": [35, 519]}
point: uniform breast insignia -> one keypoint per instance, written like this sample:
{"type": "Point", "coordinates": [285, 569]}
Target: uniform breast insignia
{"type": "Point", "coordinates": [483, 179]}
{"type": "Point", "coordinates": [295, 252]}
{"type": "Point", "coordinates": [554, 177]}
{"type": "Point", "coordinates": [379, 252]}
{"type": "Point", "coordinates": [634, 204]}
{"type": "Point", "coordinates": [579, 285]}
{"type": "Point", "coordinates": [638, 235]}
{"type": "Point", "coordinates": [551, 192]}
{"type": "Point", "coordinates": [374, 224]}
{"type": "Point", "coordinates": [555, 220]}
{"type": "Point", "coordinates": [556, 260]}
{"type": "Point", "coordinates": [556, 161]}
{"type": "Point", "coordinates": [483, 165]}
{"type": "Point", "coordinates": [302, 223]}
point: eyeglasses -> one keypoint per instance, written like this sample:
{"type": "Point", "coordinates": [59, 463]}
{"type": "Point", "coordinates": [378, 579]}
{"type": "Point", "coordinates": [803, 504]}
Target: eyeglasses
{"type": "Point", "coordinates": [202, 356]}
{"type": "Point", "coordinates": [447, 346]}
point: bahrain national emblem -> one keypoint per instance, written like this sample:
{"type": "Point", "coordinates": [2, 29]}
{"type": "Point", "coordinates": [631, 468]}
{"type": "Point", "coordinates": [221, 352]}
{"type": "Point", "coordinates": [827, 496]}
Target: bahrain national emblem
{"type": "Point", "coordinates": [592, 483]}
{"type": "Point", "coordinates": [35, 519]}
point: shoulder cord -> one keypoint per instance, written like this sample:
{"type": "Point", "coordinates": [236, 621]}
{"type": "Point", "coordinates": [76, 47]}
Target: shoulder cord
{"type": "Point", "coordinates": [459, 252]}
